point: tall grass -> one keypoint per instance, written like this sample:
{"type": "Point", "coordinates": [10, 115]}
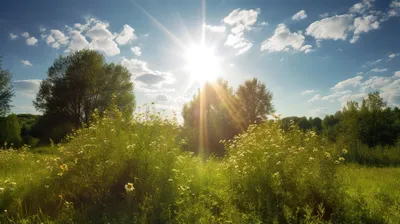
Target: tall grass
{"type": "Point", "coordinates": [127, 169]}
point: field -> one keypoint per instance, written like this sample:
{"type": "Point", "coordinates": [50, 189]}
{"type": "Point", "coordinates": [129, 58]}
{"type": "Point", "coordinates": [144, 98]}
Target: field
{"type": "Point", "coordinates": [134, 171]}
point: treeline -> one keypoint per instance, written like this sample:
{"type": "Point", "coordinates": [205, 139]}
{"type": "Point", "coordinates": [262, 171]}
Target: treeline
{"type": "Point", "coordinates": [370, 130]}
{"type": "Point", "coordinates": [82, 83]}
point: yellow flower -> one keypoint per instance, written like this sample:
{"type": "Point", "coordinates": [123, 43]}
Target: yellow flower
{"type": "Point", "coordinates": [64, 167]}
{"type": "Point", "coordinates": [344, 151]}
{"type": "Point", "coordinates": [129, 187]}
{"type": "Point", "coordinates": [341, 159]}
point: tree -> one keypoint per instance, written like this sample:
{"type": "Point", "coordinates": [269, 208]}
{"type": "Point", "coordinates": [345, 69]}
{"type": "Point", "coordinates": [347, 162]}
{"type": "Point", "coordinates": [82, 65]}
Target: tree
{"type": "Point", "coordinates": [10, 131]}
{"type": "Point", "coordinates": [211, 117]}
{"type": "Point", "coordinates": [6, 90]}
{"type": "Point", "coordinates": [80, 83]}
{"type": "Point", "coordinates": [254, 102]}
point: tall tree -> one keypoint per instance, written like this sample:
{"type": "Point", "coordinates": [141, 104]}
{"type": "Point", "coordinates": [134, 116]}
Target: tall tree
{"type": "Point", "coordinates": [211, 117]}
{"type": "Point", "coordinates": [254, 102]}
{"type": "Point", "coordinates": [82, 82]}
{"type": "Point", "coordinates": [6, 90]}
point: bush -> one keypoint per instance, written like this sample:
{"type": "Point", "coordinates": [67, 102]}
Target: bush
{"type": "Point", "coordinates": [284, 177]}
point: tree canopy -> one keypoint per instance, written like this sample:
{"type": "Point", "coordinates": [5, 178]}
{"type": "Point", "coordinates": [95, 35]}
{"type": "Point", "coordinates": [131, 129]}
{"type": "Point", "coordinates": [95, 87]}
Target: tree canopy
{"type": "Point", "coordinates": [218, 113]}
{"type": "Point", "coordinates": [6, 90]}
{"type": "Point", "coordinates": [82, 82]}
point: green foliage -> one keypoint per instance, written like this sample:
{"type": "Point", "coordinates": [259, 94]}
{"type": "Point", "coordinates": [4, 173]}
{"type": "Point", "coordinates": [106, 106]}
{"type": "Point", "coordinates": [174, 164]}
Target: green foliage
{"type": "Point", "coordinates": [78, 84]}
{"type": "Point", "coordinates": [6, 90]}
{"type": "Point", "coordinates": [283, 176]}
{"type": "Point", "coordinates": [218, 113]}
{"type": "Point", "coordinates": [133, 170]}
{"type": "Point", "coordinates": [10, 132]}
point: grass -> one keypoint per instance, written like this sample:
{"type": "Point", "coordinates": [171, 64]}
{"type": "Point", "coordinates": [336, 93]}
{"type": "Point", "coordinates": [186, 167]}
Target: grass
{"type": "Point", "coordinates": [268, 176]}
{"type": "Point", "coordinates": [374, 189]}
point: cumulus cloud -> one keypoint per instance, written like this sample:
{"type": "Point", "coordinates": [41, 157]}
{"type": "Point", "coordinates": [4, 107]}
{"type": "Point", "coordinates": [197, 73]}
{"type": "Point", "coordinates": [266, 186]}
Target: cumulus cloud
{"type": "Point", "coordinates": [364, 25]}
{"type": "Point", "coordinates": [215, 29]}
{"type": "Point", "coordinates": [56, 38]}
{"type": "Point", "coordinates": [26, 63]}
{"type": "Point", "coordinates": [397, 74]}
{"type": "Point", "coordinates": [78, 41]}
{"type": "Point", "coordinates": [352, 82]}
{"type": "Point", "coordinates": [284, 40]}
{"type": "Point", "coordinates": [361, 7]}
{"type": "Point", "coordinates": [299, 15]}
{"type": "Point", "coordinates": [126, 35]}
{"type": "Point", "coordinates": [335, 27]}
{"type": "Point", "coordinates": [240, 21]}
{"type": "Point", "coordinates": [145, 77]}
{"type": "Point", "coordinates": [136, 50]}
{"type": "Point", "coordinates": [13, 36]}
{"type": "Point", "coordinates": [29, 40]}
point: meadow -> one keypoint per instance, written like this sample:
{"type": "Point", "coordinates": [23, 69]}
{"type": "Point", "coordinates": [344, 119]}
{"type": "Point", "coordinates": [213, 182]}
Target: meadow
{"type": "Point", "coordinates": [133, 170]}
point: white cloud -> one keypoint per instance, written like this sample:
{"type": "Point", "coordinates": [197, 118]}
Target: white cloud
{"type": "Point", "coordinates": [136, 50]}
{"type": "Point", "coordinates": [352, 82]}
{"type": "Point", "coordinates": [215, 29]}
{"type": "Point", "coordinates": [319, 112]}
{"type": "Point", "coordinates": [13, 36]}
{"type": "Point", "coordinates": [56, 38]}
{"type": "Point", "coordinates": [284, 40]}
{"type": "Point", "coordinates": [379, 70]}
{"type": "Point", "coordinates": [245, 17]}
{"type": "Point", "coordinates": [306, 48]}
{"type": "Point", "coordinates": [324, 15]}
{"type": "Point", "coordinates": [126, 35]}
{"type": "Point", "coordinates": [361, 7]}
{"type": "Point", "coordinates": [391, 56]}
{"type": "Point", "coordinates": [25, 34]}
{"type": "Point", "coordinates": [397, 74]}
{"type": "Point", "coordinates": [31, 41]}
{"type": "Point", "coordinates": [315, 98]}
{"type": "Point", "coordinates": [26, 63]}
{"type": "Point", "coordinates": [78, 41]}
{"type": "Point", "coordinates": [102, 39]}
{"type": "Point", "coordinates": [394, 8]}
{"type": "Point", "coordinates": [241, 21]}
{"type": "Point", "coordinates": [299, 15]}
{"type": "Point", "coordinates": [147, 80]}
{"type": "Point", "coordinates": [335, 27]}
{"type": "Point", "coordinates": [263, 24]}
{"type": "Point", "coordinates": [364, 25]}
{"type": "Point", "coordinates": [336, 95]}
{"type": "Point", "coordinates": [309, 91]}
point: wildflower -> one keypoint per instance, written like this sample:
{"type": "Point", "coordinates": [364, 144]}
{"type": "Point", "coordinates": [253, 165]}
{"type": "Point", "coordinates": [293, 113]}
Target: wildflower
{"type": "Point", "coordinates": [315, 150]}
{"type": "Point", "coordinates": [341, 159]}
{"type": "Point", "coordinates": [344, 151]}
{"type": "Point", "coordinates": [310, 158]}
{"type": "Point", "coordinates": [129, 187]}
{"type": "Point", "coordinates": [279, 162]}
{"type": "Point", "coordinates": [64, 167]}
{"type": "Point", "coordinates": [1, 189]}
{"type": "Point", "coordinates": [170, 180]}
{"type": "Point", "coordinates": [337, 162]}
{"type": "Point", "coordinates": [46, 186]}
{"type": "Point", "coordinates": [276, 174]}
{"type": "Point", "coordinates": [327, 154]}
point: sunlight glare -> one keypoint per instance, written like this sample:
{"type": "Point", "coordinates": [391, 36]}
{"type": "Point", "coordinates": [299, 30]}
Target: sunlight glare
{"type": "Point", "coordinates": [202, 63]}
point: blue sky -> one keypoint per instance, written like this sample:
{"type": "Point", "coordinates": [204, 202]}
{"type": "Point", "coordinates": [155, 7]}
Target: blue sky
{"type": "Point", "coordinates": [313, 55]}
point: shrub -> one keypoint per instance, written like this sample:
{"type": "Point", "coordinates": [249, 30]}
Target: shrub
{"type": "Point", "coordinates": [284, 177]}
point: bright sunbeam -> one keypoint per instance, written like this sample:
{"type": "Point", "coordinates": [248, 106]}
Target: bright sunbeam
{"type": "Point", "coordinates": [202, 64]}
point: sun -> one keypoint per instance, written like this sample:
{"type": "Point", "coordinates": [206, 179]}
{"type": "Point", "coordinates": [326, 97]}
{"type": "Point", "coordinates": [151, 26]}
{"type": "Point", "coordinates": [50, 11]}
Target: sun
{"type": "Point", "coordinates": [202, 64]}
